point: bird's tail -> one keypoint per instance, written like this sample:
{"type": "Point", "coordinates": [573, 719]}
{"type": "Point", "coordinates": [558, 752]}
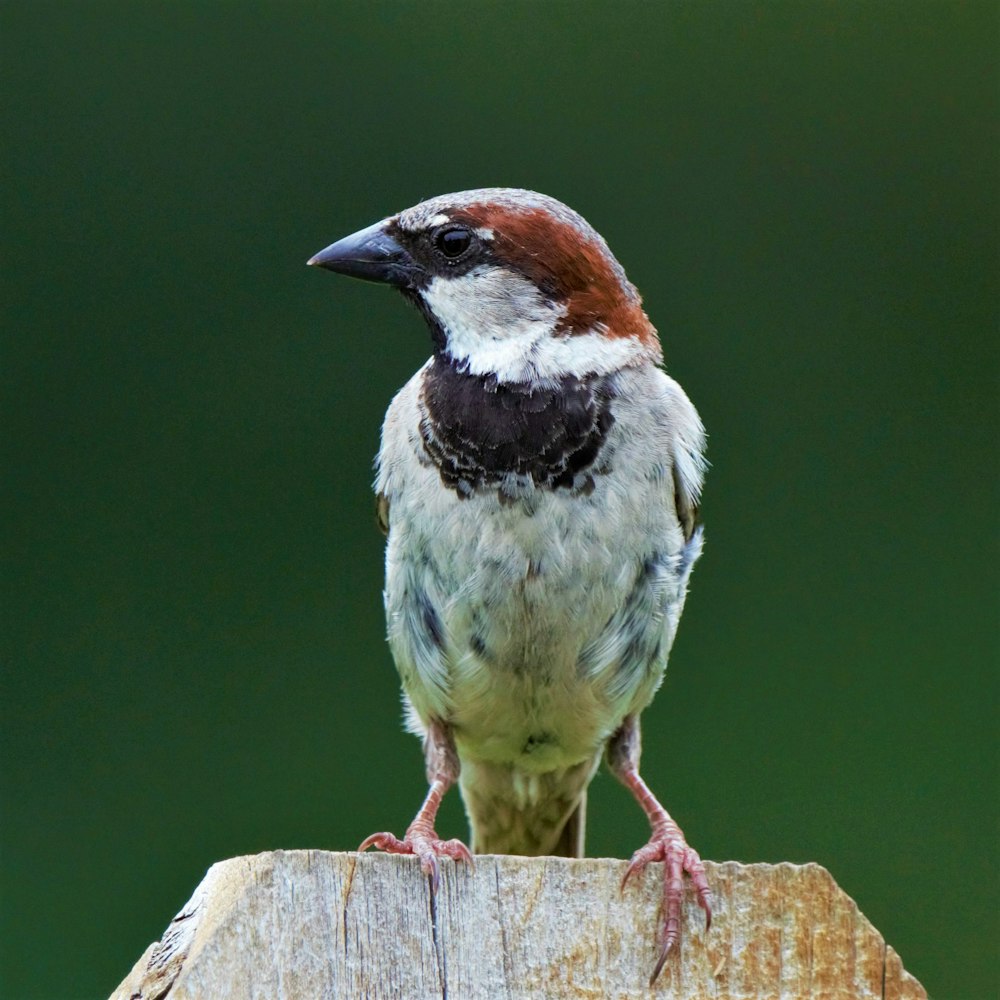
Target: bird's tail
{"type": "Point", "coordinates": [570, 842]}
{"type": "Point", "coordinates": [516, 812]}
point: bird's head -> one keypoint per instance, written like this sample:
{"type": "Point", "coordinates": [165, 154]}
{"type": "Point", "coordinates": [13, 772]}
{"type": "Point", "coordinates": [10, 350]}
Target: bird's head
{"type": "Point", "coordinates": [512, 283]}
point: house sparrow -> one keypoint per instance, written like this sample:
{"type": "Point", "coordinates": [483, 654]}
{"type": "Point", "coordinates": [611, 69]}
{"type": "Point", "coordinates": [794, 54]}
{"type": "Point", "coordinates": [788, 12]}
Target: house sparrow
{"type": "Point", "coordinates": [538, 481]}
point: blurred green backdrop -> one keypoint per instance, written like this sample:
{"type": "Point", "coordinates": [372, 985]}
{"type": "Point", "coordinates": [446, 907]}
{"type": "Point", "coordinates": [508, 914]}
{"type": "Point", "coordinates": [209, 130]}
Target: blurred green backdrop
{"type": "Point", "coordinates": [193, 663]}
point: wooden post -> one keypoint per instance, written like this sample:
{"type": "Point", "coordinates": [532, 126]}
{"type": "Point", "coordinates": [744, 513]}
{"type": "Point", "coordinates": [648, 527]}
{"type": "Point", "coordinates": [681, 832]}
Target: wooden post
{"type": "Point", "coordinates": [312, 925]}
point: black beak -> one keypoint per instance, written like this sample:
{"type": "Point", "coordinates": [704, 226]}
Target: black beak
{"type": "Point", "coordinates": [371, 254]}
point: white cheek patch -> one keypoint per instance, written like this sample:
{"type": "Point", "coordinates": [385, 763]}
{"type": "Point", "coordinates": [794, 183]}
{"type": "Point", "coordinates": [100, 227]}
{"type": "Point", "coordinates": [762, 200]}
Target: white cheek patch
{"type": "Point", "coordinates": [490, 303]}
{"type": "Point", "coordinates": [497, 322]}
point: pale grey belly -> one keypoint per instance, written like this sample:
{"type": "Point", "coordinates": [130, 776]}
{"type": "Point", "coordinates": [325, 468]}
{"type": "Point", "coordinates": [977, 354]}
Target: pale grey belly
{"type": "Point", "coordinates": [533, 637]}
{"type": "Point", "coordinates": [520, 688]}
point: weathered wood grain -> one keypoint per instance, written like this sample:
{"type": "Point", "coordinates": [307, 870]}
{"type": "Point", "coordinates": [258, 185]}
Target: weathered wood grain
{"type": "Point", "coordinates": [311, 925]}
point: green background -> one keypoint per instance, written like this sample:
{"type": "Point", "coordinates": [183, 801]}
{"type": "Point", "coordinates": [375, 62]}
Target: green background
{"type": "Point", "coordinates": [193, 664]}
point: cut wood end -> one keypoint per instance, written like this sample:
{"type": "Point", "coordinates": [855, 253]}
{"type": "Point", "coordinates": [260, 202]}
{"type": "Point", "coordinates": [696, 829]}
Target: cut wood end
{"type": "Point", "coordinates": [297, 925]}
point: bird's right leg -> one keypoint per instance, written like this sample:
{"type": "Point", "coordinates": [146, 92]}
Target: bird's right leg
{"type": "Point", "coordinates": [420, 838]}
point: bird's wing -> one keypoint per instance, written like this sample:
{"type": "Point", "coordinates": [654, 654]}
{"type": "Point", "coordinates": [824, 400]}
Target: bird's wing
{"type": "Point", "coordinates": [382, 513]}
{"type": "Point", "coordinates": [687, 458]}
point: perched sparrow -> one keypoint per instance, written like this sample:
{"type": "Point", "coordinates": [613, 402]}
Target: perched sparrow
{"type": "Point", "coordinates": [538, 481]}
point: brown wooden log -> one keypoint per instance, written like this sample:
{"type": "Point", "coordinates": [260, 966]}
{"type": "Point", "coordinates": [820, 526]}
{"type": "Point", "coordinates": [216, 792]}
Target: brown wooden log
{"type": "Point", "coordinates": [310, 925]}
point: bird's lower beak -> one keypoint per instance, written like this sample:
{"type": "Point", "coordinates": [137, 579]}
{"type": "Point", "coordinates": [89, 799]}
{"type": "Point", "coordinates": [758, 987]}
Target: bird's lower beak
{"type": "Point", "coordinates": [371, 254]}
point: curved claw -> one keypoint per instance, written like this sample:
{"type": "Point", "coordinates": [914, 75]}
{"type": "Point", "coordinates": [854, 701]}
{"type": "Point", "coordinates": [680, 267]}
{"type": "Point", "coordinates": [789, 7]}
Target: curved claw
{"type": "Point", "coordinates": [430, 867]}
{"type": "Point", "coordinates": [456, 850]}
{"type": "Point", "coordinates": [641, 858]}
{"type": "Point", "coordinates": [658, 968]}
{"type": "Point", "coordinates": [384, 842]}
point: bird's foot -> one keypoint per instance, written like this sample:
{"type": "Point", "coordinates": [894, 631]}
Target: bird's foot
{"type": "Point", "coordinates": [421, 841]}
{"type": "Point", "coordinates": [667, 844]}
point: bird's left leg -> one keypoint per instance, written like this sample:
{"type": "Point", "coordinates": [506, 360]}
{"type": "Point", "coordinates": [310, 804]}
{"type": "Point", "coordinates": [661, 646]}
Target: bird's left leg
{"type": "Point", "coordinates": [666, 843]}
{"type": "Point", "coordinates": [420, 839]}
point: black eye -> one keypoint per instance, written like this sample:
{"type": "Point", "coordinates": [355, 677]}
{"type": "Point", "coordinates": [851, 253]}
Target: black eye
{"type": "Point", "coordinates": [453, 242]}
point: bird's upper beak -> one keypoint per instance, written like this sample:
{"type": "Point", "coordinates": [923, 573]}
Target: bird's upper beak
{"type": "Point", "coordinates": [372, 254]}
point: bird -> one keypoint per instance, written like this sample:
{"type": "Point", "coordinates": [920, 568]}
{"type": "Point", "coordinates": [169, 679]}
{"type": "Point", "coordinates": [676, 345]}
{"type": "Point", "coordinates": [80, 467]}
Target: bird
{"type": "Point", "coordinates": [538, 481]}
